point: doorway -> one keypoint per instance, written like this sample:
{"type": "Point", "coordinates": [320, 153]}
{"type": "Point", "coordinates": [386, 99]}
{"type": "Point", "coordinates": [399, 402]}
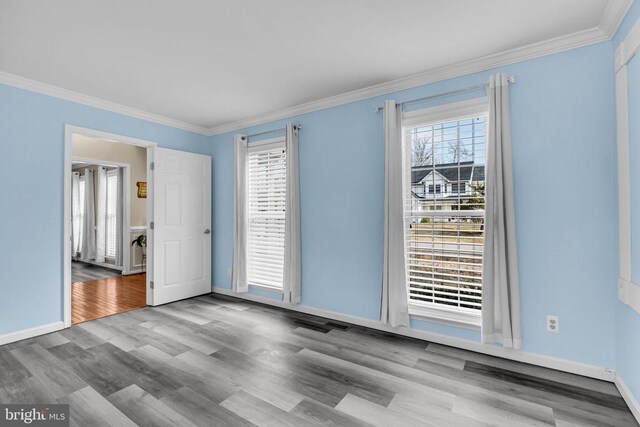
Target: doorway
{"type": "Point", "coordinates": [178, 222]}
{"type": "Point", "coordinates": [104, 207]}
{"type": "Point", "coordinates": [108, 203]}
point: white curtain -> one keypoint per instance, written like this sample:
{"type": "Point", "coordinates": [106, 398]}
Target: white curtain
{"type": "Point", "coordinates": [88, 229]}
{"type": "Point", "coordinates": [101, 218]}
{"type": "Point", "coordinates": [75, 213]}
{"type": "Point", "coordinates": [292, 255]}
{"type": "Point", "coordinates": [119, 216]}
{"type": "Point", "coordinates": [395, 311]}
{"type": "Point", "coordinates": [239, 276]}
{"type": "Point", "coordinates": [501, 296]}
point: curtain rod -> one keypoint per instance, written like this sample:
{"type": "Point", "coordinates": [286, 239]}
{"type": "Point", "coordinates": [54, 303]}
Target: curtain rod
{"type": "Point", "coordinates": [511, 79]}
{"type": "Point", "coordinates": [253, 135]}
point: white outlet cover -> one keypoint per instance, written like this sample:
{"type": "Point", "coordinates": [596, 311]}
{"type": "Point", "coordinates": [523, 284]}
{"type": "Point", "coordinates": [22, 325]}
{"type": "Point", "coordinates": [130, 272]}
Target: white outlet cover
{"type": "Point", "coordinates": [553, 324]}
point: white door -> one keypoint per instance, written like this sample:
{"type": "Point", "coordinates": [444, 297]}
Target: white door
{"type": "Point", "coordinates": [181, 235]}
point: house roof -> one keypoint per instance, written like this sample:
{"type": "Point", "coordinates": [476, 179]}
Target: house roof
{"type": "Point", "coordinates": [468, 172]}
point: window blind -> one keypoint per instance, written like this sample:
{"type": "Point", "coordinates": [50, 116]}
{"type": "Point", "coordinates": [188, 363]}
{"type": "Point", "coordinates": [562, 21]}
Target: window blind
{"type": "Point", "coordinates": [266, 214]}
{"type": "Point", "coordinates": [445, 227]}
{"type": "Point", "coordinates": [111, 220]}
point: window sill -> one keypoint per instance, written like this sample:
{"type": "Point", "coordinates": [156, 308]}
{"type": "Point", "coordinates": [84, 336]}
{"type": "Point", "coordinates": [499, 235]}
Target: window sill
{"type": "Point", "coordinates": [446, 317]}
{"type": "Point", "coordinates": [266, 287]}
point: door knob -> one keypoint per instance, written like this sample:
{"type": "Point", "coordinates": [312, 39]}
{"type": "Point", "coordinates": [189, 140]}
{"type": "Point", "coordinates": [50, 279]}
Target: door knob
{"type": "Point", "coordinates": [207, 231]}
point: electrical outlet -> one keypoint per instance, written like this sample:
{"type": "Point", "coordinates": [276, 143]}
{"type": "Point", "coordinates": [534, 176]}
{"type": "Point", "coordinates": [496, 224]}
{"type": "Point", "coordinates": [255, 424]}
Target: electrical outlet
{"type": "Point", "coordinates": [229, 272]}
{"type": "Point", "coordinates": [553, 324]}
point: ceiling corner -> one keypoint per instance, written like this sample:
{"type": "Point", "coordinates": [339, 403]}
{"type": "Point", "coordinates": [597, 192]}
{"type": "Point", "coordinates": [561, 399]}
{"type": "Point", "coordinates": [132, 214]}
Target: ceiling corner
{"type": "Point", "coordinates": [613, 15]}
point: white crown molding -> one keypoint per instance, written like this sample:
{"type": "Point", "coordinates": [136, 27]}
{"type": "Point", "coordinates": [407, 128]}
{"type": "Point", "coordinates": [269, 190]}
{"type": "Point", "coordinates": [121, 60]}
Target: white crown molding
{"type": "Point", "coordinates": [612, 18]}
{"type": "Point", "coordinates": [613, 15]}
{"type": "Point", "coordinates": [69, 95]}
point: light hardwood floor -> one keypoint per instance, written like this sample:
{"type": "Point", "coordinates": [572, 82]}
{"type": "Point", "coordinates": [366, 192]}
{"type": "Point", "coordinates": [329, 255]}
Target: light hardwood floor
{"type": "Point", "coordinates": [219, 361]}
{"type": "Point", "coordinates": [93, 299]}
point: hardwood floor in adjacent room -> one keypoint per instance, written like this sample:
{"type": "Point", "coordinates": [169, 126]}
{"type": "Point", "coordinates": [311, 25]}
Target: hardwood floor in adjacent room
{"type": "Point", "coordinates": [224, 362]}
{"type": "Point", "coordinates": [93, 299]}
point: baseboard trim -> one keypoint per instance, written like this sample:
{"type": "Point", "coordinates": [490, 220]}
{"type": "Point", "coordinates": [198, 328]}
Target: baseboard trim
{"type": "Point", "coordinates": [31, 332]}
{"type": "Point", "coordinates": [628, 397]}
{"type": "Point", "coordinates": [134, 271]}
{"type": "Point", "coordinates": [564, 365]}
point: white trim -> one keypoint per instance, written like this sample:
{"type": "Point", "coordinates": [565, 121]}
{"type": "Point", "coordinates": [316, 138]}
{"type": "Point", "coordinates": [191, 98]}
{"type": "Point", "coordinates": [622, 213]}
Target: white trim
{"type": "Point", "coordinates": [92, 101]}
{"type": "Point", "coordinates": [628, 292]}
{"type": "Point", "coordinates": [628, 397]}
{"type": "Point", "coordinates": [69, 131]}
{"type": "Point", "coordinates": [137, 228]}
{"type": "Point", "coordinates": [450, 112]}
{"type": "Point", "coordinates": [266, 145]}
{"type": "Point", "coordinates": [267, 288]}
{"type": "Point", "coordinates": [586, 370]}
{"type": "Point", "coordinates": [613, 16]}
{"type": "Point", "coordinates": [609, 23]}
{"type": "Point", "coordinates": [459, 319]}
{"type": "Point", "coordinates": [31, 332]}
{"type": "Point", "coordinates": [624, 185]}
{"type": "Point", "coordinates": [628, 48]}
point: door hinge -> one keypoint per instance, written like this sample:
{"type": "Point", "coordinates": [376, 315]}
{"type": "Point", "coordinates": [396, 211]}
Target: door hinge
{"type": "Point", "coordinates": [153, 165]}
{"type": "Point", "coordinates": [151, 284]}
{"type": "Point", "coordinates": [152, 225]}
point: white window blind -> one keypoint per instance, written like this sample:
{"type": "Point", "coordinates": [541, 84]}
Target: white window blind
{"type": "Point", "coordinates": [266, 214]}
{"type": "Point", "coordinates": [445, 224]}
{"type": "Point", "coordinates": [111, 220]}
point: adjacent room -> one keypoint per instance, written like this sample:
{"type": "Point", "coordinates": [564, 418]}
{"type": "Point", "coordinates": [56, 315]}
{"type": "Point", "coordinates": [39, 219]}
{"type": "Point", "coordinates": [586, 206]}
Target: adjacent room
{"type": "Point", "coordinates": [302, 213]}
{"type": "Point", "coordinates": [108, 223]}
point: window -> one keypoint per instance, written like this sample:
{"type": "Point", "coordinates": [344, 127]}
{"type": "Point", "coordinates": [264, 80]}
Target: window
{"type": "Point", "coordinates": [266, 213]}
{"type": "Point", "coordinates": [111, 212]}
{"type": "Point", "coordinates": [80, 214]}
{"type": "Point", "coordinates": [445, 231]}
{"type": "Point", "coordinates": [458, 187]}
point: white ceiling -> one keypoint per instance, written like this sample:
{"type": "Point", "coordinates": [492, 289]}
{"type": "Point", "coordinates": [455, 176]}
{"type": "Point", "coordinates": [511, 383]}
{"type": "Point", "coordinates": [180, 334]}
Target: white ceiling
{"type": "Point", "coordinates": [209, 63]}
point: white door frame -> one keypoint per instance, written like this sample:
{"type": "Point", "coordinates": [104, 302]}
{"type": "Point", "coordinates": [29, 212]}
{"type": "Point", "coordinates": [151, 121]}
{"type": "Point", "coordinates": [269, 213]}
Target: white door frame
{"type": "Point", "coordinates": [69, 132]}
{"type": "Point", "coordinates": [126, 202]}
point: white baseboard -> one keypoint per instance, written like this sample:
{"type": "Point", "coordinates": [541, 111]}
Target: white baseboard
{"type": "Point", "coordinates": [31, 332]}
{"type": "Point", "coordinates": [134, 271]}
{"type": "Point", "coordinates": [628, 397]}
{"type": "Point", "coordinates": [519, 356]}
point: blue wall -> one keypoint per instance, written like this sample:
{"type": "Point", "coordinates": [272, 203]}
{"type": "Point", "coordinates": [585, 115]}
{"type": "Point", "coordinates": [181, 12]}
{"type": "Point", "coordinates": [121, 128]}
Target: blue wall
{"type": "Point", "coordinates": [563, 125]}
{"type": "Point", "coordinates": [31, 196]}
{"type": "Point", "coordinates": [628, 320]}
{"type": "Point", "coordinates": [564, 158]}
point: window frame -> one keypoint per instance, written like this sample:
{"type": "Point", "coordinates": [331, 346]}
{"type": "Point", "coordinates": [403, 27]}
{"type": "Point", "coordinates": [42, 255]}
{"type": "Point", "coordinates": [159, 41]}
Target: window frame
{"type": "Point", "coordinates": [111, 174]}
{"type": "Point", "coordinates": [271, 144]}
{"type": "Point", "coordinates": [427, 116]}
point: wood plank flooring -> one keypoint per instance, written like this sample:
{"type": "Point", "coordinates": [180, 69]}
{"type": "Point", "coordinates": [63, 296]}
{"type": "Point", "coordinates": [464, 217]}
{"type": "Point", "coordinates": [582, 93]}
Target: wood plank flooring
{"type": "Point", "coordinates": [93, 299]}
{"type": "Point", "coordinates": [225, 362]}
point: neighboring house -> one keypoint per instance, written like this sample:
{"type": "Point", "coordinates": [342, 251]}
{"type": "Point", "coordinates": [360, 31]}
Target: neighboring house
{"type": "Point", "coordinates": [443, 186]}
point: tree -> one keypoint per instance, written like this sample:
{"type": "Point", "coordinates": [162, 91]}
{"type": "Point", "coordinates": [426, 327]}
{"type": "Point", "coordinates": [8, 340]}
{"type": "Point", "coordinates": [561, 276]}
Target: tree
{"type": "Point", "coordinates": [421, 151]}
{"type": "Point", "coordinates": [475, 201]}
